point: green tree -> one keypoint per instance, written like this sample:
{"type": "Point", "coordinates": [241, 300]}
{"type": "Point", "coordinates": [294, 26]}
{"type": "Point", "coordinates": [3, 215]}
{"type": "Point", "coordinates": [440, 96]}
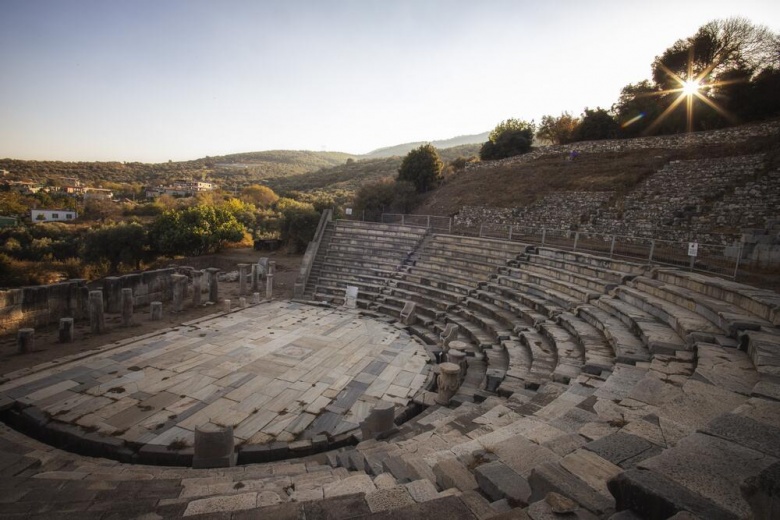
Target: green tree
{"type": "Point", "coordinates": [196, 230]}
{"type": "Point", "coordinates": [596, 124]}
{"type": "Point", "coordinates": [724, 57]}
{"type": "Point", "coordinates": [638, 106]}
{"type": "Point", "coordinates": [299, 223]}
{"type": "Point", "coordinates": [422, 167]}
{"type": "Point", "coordinates": [260, 196]}
{"type": "Point", "coordinates": [557, 130]}
{"type": "Point", "coordinates": [118, 243]}
{"type": "Point", "coordinates": [509, 138]}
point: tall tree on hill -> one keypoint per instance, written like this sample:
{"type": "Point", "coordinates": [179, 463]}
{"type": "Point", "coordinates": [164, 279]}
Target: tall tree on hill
{"type": "Point", "coordinates": [596, 124]}
{"type": "Point", "coordinates": [557, 130]}
{"type": "Point", "coordinates": [509, 138]}
{"type": "Point", "coordinates": [422, 167]}
{"type": "Point", "coordinates": [722, 74]}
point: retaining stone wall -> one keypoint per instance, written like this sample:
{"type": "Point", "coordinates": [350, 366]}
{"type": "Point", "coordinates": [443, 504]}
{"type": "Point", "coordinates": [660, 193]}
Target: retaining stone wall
{"type": "Point", "coordinates": [45, 304]}
{"type": "Point", "coordinates": [709, 200]}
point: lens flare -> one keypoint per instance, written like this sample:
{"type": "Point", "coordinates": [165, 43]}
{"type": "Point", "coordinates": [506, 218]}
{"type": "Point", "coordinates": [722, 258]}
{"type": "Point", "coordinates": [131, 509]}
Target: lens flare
{"type": "Point", "coordinates": [689, 90]}
{"type": "Point", "coordinates": [690, 87]}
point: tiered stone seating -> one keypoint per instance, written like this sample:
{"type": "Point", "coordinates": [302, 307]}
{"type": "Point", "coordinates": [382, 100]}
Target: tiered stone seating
{"type": "Point", "coordinates": [359, 254]}
{"type": "Point", "coordinates": [627, 396]}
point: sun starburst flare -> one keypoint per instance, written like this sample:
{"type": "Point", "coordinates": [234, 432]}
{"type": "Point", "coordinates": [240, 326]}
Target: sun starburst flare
{"type": "Point", "coordinates": [693, 86]}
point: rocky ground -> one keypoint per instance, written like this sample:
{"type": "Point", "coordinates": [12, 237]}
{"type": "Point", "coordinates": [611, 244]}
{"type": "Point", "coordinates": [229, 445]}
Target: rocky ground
{"type": "Point", "coordinates": [48, 348]}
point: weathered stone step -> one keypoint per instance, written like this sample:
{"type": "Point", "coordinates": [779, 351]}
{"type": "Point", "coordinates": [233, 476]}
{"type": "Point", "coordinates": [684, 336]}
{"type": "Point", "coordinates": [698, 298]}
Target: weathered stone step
{"type": "Point", "coordinates": [680, 319]}
{"type": "Point", "coordinates": [761, 302]}
{"type": "Point", "coordinates": [721, 313]}
{"type": "Point", "coordinates": [628, 348]}
{"type": "Point", "coordinates": [658, 337]}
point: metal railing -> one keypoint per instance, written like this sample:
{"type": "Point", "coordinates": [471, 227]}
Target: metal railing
{"type": "Point", "coordinates": [723, 260]}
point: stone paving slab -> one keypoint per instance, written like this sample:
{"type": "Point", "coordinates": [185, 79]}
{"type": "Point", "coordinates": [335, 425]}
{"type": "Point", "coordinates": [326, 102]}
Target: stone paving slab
{"type": "Point", "coordinates": [271, 371]}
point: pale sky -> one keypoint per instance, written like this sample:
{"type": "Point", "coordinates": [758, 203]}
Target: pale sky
{"type": "Point", "coordinates": [153, 80]}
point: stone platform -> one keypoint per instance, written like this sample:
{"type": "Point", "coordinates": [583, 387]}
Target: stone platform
{"type": "Point", "coordinates": [277, 372]}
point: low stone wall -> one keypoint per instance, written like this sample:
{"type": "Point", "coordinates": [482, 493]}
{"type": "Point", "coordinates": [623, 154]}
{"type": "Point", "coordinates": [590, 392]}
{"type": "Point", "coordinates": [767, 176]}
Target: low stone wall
{"type": "Point", "coordinates": [42, 305]}
{"type": "Point", "coordinates": [45, 304]}
{"type": "Point", "coordinates": [149, 286]}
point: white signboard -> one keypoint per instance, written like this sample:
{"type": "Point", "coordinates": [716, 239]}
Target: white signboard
{"type": "Point", "coordinates": [348, 211]}
{"type": "Point", "coordinates": [693, 248]}
{"type": "Point", "coordinates": [350, 301]}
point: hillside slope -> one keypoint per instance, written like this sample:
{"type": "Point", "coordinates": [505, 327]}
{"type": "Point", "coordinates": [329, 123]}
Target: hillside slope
{"type": "Point", "coordinates": [617, 166]}
{"type": "Point", "coordinates": [403, 149]}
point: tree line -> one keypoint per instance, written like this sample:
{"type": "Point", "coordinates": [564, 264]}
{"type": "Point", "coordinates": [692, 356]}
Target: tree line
{"type": "Point", "coordinates": [39, 253]}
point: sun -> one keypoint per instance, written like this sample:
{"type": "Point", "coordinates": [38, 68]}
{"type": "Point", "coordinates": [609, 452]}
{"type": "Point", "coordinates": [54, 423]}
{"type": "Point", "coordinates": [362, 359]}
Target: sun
{"type": "Point", "coordinates": [691, 87]}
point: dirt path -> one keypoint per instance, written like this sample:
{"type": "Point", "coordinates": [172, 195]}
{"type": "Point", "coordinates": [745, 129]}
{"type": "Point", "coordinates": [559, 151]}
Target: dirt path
{"type": "Point", "coordinates": [48, 348]}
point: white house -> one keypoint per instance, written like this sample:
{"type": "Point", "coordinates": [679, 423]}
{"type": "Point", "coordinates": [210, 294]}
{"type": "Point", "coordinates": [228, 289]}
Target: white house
{"type": "Point", "coordinates": [52, 215]}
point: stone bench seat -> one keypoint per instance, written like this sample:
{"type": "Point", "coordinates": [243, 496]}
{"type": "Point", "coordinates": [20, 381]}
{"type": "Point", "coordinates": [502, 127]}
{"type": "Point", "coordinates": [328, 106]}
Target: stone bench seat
{"type": "Point", "coordinates": [571, 278]}
{"type": "Point", "coordinates": [599, 355]}
{"type": "Point", "coordinates": [526, 303]}
{"type": "Point", "coordinates": [445, 298]}
{"type": "Point", "coordinates": [600, 273]}
{"type": "Point", "coordinates": [724, 315]}
{"type": "Point", "coordinates": [628, 348]}
{"type": "Point", "coordinates": [488, 244]}
{"type": "Point", "coordinates": [337, 295]}
{"type": "Point", "coordinates": [464, 258]}
{"type": "Point", "coordinates": [360, 263]}
{"type": "Point", "coordinates": [467, 251]}
{"type": "Point", "coordinates": [680, 319]}
{"type": "Point", "coordinates": [366, 278]}
{"type": "Point", "coordinates": [543, 355]}
{"type": "Point", "coordinates": [501, 312]}
{"type": "Point", "coordinates": [594, 260]}
{"type": "Point", "coordinates": [580, 294]}
{"type": "Point", "coordinates": [657, 336]}
{"type": "Point", "coordinates": [571, 355]}
{"type": "Point", "coordinates": [508, 310]}
{"type": "Point", "coordinates": [475, 314]}
{"type": "Point", "coordinates": [761, 302]}
{"type": "Point", "coordinates": [364, 287]}
{"type": "Point", "coordinates": [427, 277]}
{"type": "Point", "coordinates": [463, 268]}
{"type": "Point", "coordinates": [481, 338]}
{"type": "Point", "coordinates": [376, 227]}
{"type": "Point", "coordinates": [471, 251]}
{"type": "Point", "coordinates": [365, 251]}
{"type": "Point", "coordinates": [346, 238]}
{"type": "Point", "coordinates": [558, 298]}
{"type": "Point", "coordinates": [426, 308]}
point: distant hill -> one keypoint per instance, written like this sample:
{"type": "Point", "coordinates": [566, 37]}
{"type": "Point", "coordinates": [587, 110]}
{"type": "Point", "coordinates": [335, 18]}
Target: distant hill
{"type": "Point", "coordinates": [282, 170]}
{"type": "Point", "coordinates": [403, 149]}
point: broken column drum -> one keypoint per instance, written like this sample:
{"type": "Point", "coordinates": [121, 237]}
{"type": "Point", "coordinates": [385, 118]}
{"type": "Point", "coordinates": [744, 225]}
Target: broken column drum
{"type": "Point", "coordinates": [213, 447]}
{"type": "Point", "coordinates": [25, 340]}
{"type": "Point", "coordinates": [155, 310]}
{"type": "Point", "coordinates": [179, 291]}
{"type": "Point", "coordinates": [243, 279]}
{"type": "Point", "coordinates": [213, 284]}
{"type": "Point", "coordinates": [66, 330]}
{"type": "Point", "coordinates": [448, 382]}
{"type": "Point", "coordinates": [97, 320]}
{"type": "Point", "coordinates": [197, 287]}
{"type": "Point", "coordinates": [127, 307]}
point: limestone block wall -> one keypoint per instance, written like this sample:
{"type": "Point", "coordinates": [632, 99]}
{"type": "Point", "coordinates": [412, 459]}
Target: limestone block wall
{"type": "Point", "coordinates": [678, 200]}
{"type": "Point", "coordinates": [682, 201]}
{"type": "Point", "coordinates": [46, 304]}
{"type": "Point", "coordinates": [42, 305]}
{"type": "Point", "coordinates": [705, 199]}
{"type": "Point", "coordinates": [147, 287]}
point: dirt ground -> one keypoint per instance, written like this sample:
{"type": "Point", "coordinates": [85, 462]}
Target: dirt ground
{"type": "Point", "coordinates": [47, 346]}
